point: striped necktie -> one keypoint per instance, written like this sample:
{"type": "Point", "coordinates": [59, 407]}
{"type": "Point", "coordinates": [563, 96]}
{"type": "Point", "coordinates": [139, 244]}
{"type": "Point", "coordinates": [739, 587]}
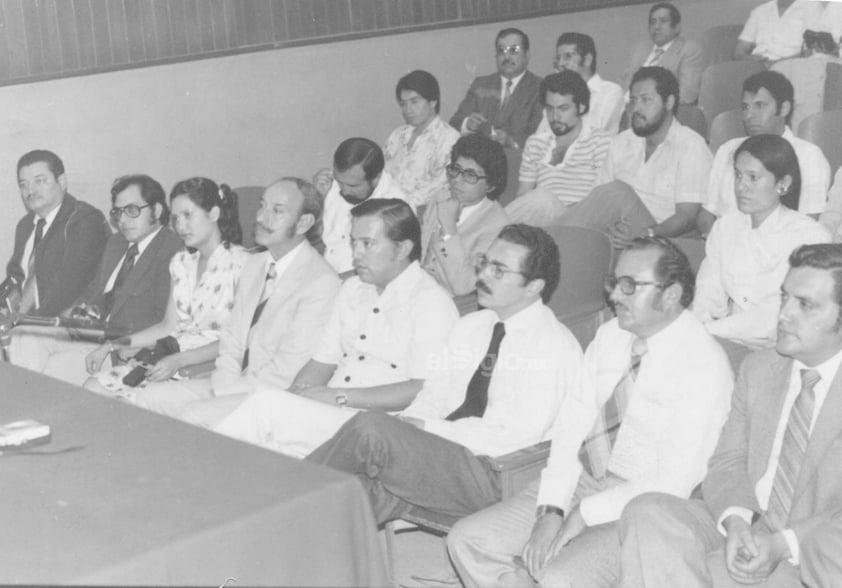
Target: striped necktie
{"type": "Point", "coordinates": [656, 56]}
{"type": "Point", "coordinates": [796, 437]}
{"type": "Point", "coordinates": [596, 450]}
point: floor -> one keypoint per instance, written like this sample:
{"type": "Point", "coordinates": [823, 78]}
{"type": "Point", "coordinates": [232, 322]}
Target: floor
{"type": "Point", "coordinates": [420, 559]}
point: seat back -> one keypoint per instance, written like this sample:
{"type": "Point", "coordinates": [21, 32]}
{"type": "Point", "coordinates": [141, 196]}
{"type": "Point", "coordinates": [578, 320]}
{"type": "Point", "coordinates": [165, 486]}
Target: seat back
{"type": "Point", "coordinates": [694, 249]}
{"type": "Point", "coordinates": [720, 42]}
{"type": "Point", "coordinates": [833, 87]}
{"type": "Point", "coordinates": [248, 201]}
{"type": "Point", "coordinates": [722, 86]}
{"type": "Point", "coordinates": [726, 126]}
{"type": "Point", "coordinates": [825, 130]}
{"type": "Point", "coordinates": [579, 300]}
{"type": "Point", "coordinates": [692, 116]}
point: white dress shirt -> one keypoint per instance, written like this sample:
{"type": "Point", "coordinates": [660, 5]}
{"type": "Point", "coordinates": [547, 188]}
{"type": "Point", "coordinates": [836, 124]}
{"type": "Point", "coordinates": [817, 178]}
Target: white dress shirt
{"type": "Point", "coordinates": [738, 286]}
{"type": "Point", "coordinates": [539, 363]}
{"type": "Point", "coordinates": [141, 247]}
{"type": "Point", "coordinates": [680, 400]}
{"type": "Point", "coordinates": [336, 233]}
{"type": "Point", "coordinates": [815, 176]}
{"type": "Point", "coordinates": [503, 81]}
{"type": "Point", "coordinates": [676, 172]}
{"type": "Point", "coordinates": [606, 107]}
{"type": "Point", "coordinates": [778, 36]}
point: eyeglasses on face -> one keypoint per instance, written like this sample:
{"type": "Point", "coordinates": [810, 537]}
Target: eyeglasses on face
{"type": "Point", "coordinates": [469, 175]}
{"type": "Point", "coordinates": [497, 269]}
{"type": "Point", "coordinates": [509, 50]}
{"type": "Point", "coordinates": [130, 210]}
{"type": "Point", "coordinates": [627, 284]}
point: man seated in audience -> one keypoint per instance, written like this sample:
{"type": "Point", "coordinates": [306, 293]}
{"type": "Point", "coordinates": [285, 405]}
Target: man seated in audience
{"type": "Point", "coordinates": [656, 394]}
{"type": "Point", "coordinates": [357, 175]}
{"type": "Point", "coordinates": [576, 52]}
{"type": "Point", "coordinates": [131, 287]}
{"type": "Point", "coordinates": [58, 243]}
{"type": "Point", "coordinates": [479, 403]}
{"type": "Point", "coordinates": [462, 222]}
{"type": "Point", "coordinates": [417, 153]}
{"type": "Point", "coordinates": [684, 58]}
{"type": "Point", "coordinates": [654, 179]}
{"type": "Point", "coordinates": [560, 167]}
{"type": "Point", "coordinates": [281, 306]}
{"type": "Point", "coordinates": [767, 110]}
{"type": "Point", "coordinates": [770, 509]}
{"type": "Point", "coordinates": [775, 29]}
{"type": "Point", "coordinates": [382, 341]}
{"type": "Point", "coordinates": [505, 105]}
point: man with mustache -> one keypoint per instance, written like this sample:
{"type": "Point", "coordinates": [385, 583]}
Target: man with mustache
{"type": "Point", "coordinates": [770, 509]}
{"type": "Point", "coordinates": [654, 179]}
{"type": "Point", "coordinates": [560, 167]}
{"type": "Point", "coordinates": [383, 340]}
{"type": "Point", "coordinates": [358, 174]}
{"type": "Point", "coordinates": [768, 99]}
{"type": "Point", "coordinates": [281, 306]}
{"type": "Point", "coordinates": [506, 371]}
{"type": "Point", "coordinates": [655, 395]}
{"type": "Point", "coordinates": [504, 105]}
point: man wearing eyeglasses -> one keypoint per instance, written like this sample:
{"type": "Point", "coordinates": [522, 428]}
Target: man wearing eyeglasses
{"type": "Point", "coordinates": [57, 244]}
{"type": "Point", "coordinates": [503, 106]}
{"type": "Point", "coordinates": [498, 388]}
{"type": "Point", "coordinates": [131, 287]}
{"type": "Point", "coordinates": [656, 393]}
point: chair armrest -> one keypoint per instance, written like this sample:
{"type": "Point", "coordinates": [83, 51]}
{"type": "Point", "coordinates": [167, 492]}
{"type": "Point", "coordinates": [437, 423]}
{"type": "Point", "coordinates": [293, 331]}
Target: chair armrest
{"type": "Point", "coordinates": [520, 468]}
{"type": "Point", "coordinates": [197, 369]}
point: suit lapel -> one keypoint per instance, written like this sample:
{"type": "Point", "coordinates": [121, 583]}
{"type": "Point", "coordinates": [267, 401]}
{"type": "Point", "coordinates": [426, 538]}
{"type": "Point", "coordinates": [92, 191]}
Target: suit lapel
{"type": "Point", "coordinates": [769, 400]}
{"type": "Point", "coordinates": [289, 282]}
{"type": "Point", "coordinates": [141, 267]}
{"type": "Point", "coordinates": [57, 226]}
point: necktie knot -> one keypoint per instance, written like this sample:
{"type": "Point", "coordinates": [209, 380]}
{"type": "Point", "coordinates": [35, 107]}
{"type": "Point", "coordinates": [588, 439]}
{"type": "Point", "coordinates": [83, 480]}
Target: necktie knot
{"type": "Point", "coordinates": [809, 379]}
{"type": "Point", "coordinates": [638, 350]}
{"type": "Point", "coordinates": [272, 272]}
{"type": "Point", "coordinates": [132, 252]}
{"type": "Point", "coordinates": [39, 231]}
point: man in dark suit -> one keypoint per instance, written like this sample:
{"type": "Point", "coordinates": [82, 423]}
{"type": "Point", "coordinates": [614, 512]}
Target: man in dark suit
{"type": "Point", "coordinates": [668, 49]}
{"type": "Point", "coordinates": [58, 243]}
{"type": "Point", "coordinates": [772, 502]}
{"type": "Point", "coordinates": [130, 290]}
{"type": "Point", "coordinates": [505, 105]}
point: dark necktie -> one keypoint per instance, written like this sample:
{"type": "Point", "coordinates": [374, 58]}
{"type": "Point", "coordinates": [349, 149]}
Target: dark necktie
{"type": "Point", "coordinates": [596, 450]}
{"type": "Point", "coordinates": [793, 447]}
{"type": "Point", "coordinates": [507, 94]}
{"type": "Point", "coordinates": [30, 283]}
{"type": "Point", "coordinates": [39, 234]}
{"type": "Point", "coordinates": [122, 275]}
{"type": "Point", "coordinates": [476, 397]}
{"type": "Point", "coordinates": [258, 311]}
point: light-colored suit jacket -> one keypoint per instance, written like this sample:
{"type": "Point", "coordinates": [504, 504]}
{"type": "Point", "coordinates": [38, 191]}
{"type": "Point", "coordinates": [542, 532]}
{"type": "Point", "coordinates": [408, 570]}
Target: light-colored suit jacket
{"type": "Point", "coordinates": [451, 262]}
{"type": "Point", "coordinates": [742, 456]}
{"type": "Point", "coordinates": [289, 328]}
{"type": "Point", "coordinates": [685, 59]}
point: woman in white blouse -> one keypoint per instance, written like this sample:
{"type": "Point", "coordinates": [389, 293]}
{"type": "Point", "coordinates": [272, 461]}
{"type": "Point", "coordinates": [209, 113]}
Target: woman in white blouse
{"type": "Point", "coordinates": [747, 251]}
{"type": "Point", "coordinates": [204, 277]}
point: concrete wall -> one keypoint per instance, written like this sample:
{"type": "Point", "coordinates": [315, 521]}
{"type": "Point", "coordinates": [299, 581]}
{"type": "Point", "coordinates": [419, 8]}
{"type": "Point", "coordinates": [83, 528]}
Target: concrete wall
{"type": "Point", "coordinates": [248, 119]}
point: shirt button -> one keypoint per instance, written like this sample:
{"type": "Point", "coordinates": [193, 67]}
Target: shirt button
{"type": "Point", "coordinates": [362, 357]}
{"type": "Point", "coordinates": [362, 336]}
{"type": "Point", "coordinates": [347, 378]}
{"type": "Point", "coordinates": [394, 367]}
{"type": "Point", "coordinates": [376, 310]}
{"type": "Point", "coordinates": [344, 355]}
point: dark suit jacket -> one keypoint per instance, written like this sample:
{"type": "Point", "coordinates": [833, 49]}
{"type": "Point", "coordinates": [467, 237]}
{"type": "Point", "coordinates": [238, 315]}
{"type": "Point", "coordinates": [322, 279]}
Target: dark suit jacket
{"type": "Point", "coordinates": [519, 118]}
{"type": "Point", "coordinates": [142, 301]}
{"type": "Point", "coordinates": [742, 456]}
{"type": "Point", "coordinates": [686, 59]}
{"type": "Point", "coordinates": [67, 256]}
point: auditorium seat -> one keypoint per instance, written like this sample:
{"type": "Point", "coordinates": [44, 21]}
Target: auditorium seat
{"type": "Point", "coordinates": [722, 86]}
{"type": "Point", "coordinates": [726, 126]}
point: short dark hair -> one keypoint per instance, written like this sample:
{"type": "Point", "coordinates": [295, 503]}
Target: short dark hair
{"type": "Point", "coordinates": [777, 155]}
{"type": "Point", "coordinates": [666, 83]}
{"type": "Point", "coordinates": [311, 203]}
{"type": "Point", "coordinates": [584, 45]}
{"type": "Point", "coordinates": [151, 191]}
{"type": "Point", "coordinates": [776, 84]}
{"type": "Point", "coordinates": [672, 266]}
{"type": "Point", "coordinates": [567, 83]}
{"type": "Point", "coordinates": [543, 261]}
{"type": "Point", "coordinates": [489, 155]}
{"type": "Point", "coordinates": [675, 15]}
{"type": "Point", "coordinates": [524, 38]}
{"type": "Point", "coordinates": [359, 151]}
{"type": "Point", "coordinates": [823, 256]}
{"type": "Point", "coordinates": [53, 161]}
{"type": "Point", "coordinates": [401, 223]}
{"type": "Point", "coordinates": [423, 83]}
{"type": "Point", "coordinates": [206, 194]}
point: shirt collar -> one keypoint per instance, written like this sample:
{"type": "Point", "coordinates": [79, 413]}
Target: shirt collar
{"type": "Point", "coordinates": [282, 264]}
{"type": "Point", "coordinates": [671, 336]}
{"type": "Point", "coordinates": [526, 318]}
{"type": "Point", "coordinates": [51, 216]}
{"type": "Point", "coordinates": [827, 370]}
{"type": "Point", "coordinates": [403, 285]}
{"type": "Point", "coordinates": [470, 210]}
{"type": "Point", "coordinates": [515, 80]}
{"type": "Point", "coordinates": [144, 243]}
{"type": "Point", "coordinates": [664, 47]}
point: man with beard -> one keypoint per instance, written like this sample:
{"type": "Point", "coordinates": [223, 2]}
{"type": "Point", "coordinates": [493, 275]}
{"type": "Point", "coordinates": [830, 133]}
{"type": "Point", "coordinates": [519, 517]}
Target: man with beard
{"type": "Point", "coordinates": [657, 390]}
{"type": "Point", "coordinates": [505, 373]}
{"type": "Point", "coordinates": [656, 173]}
{"type": "Point", "coordinates": [768, 100]}
{"type": "Point", "coordinates": [280, 310]}
{"type": "Point", "coordinates": [357, 176]}
{"type": "Point", "coordinates": [559, 168]}
{"type": "Point", "coordinates": [504, 105]}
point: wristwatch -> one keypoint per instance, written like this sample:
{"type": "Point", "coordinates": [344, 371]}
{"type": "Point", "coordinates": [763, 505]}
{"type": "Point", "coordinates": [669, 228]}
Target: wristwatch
{"type": "Point", "coordinates": [650, 232]}
{"type": "Point", "coordinates": [548, 509]}
{"type": "Point", "coordinates": [341, 399]}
